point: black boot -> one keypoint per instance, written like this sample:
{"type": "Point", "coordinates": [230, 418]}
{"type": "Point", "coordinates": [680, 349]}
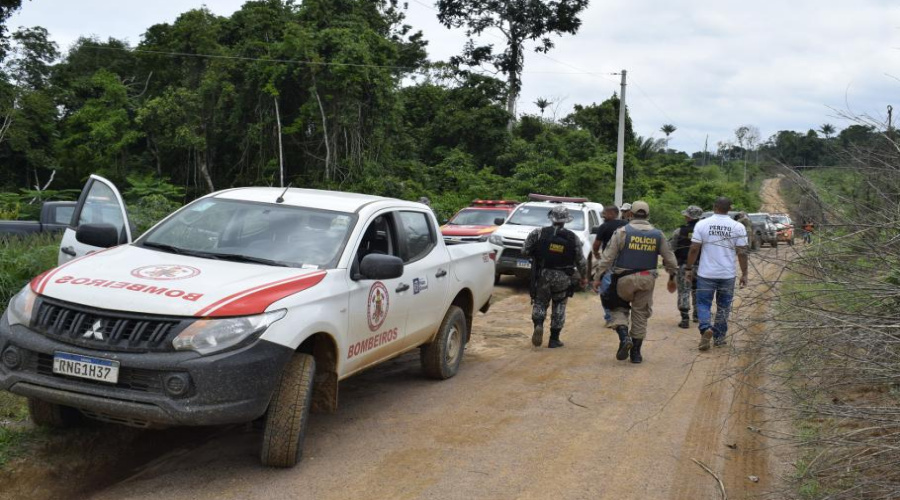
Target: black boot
{"type": "Point", "coordinates": [537, 336]}
{"type": "Point", "coordinates": [554, 339]}
{"type": "Point", "coordinates": [636, 351]}
{"type": "Point", "coordinates": [625, 343]}
{"type": "Point", "coordinates": [685, 320]}
{"type": "Point", "coordinates": [694, 316]}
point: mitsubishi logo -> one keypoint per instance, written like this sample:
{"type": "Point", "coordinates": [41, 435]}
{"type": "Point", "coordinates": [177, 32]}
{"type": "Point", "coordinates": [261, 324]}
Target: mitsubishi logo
{"type": "Point", "coordinates": [96, 331]}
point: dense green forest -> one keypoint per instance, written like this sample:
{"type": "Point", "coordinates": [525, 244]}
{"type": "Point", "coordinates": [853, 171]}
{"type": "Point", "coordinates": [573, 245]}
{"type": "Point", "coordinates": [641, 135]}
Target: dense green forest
{"type": "Point", "coordinates": [346, 89]}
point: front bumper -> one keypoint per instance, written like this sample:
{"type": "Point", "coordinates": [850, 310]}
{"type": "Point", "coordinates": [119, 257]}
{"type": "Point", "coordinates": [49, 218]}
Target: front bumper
{"type": "Point", "coordinates": [785, 235]}
{"type": "Point", "coordinates": [510, 261]}
{"type": "Point", "coordinates": [230, 387]}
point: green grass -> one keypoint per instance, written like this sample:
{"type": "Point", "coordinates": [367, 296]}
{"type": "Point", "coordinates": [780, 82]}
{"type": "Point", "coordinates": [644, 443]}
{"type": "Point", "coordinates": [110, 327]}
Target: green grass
{"type": "Point", "coordinates": [15, 433]}
{"type": "Point", "coordinates": [21, 259]}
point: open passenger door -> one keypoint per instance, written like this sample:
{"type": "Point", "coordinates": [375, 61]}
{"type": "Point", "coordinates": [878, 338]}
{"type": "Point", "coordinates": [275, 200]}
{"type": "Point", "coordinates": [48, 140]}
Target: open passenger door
{"type": "Point", "coordinates": [100, 221]}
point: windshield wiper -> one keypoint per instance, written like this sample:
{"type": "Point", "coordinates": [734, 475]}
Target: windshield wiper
{"type": "Point", "coordinates": [248, 258]}
{"type": "Point", "coordinates": [169, 248]}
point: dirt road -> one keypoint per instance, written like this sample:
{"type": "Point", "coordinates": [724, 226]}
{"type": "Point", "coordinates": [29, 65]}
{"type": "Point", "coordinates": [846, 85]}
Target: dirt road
{"type": "Point", "coordinates": [517, 422]}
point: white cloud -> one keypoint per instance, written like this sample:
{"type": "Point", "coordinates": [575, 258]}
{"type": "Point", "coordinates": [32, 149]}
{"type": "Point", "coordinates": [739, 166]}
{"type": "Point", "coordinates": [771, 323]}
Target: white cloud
{"type": "Point", "coordinates": [705, 66]}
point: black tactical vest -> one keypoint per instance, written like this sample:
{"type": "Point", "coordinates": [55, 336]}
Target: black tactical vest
{"type": "Point", "coordinates": [683, 244]}
{"type": "Point", "coordinates": [641, 249]}
{"type": "Point", "coordinates": [557, 248]}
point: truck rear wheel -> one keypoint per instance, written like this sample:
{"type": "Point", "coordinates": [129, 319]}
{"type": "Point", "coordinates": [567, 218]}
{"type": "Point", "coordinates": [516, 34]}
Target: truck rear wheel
{"type": "Point", "coordinates": [288, 415]}
{"type": "Point", "coordinates": [46, 414]}
{"type": "Point", "coordinates": [441, 358]}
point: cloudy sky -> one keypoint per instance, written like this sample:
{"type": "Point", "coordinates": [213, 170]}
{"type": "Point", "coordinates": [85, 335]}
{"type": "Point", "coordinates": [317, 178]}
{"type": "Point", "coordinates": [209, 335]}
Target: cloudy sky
{"type": "Point", "coordinates": [705, 66]}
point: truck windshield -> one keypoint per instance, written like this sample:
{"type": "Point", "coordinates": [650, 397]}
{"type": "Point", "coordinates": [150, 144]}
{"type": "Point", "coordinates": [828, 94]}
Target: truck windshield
{"type": "Point", "coordinates": [471, 217]}
{"type": "Point", "coordinates": [254, 232]}
{"type": "Point", "coordinates": [537, 216]}
{"type": "Point", "coordinates": [758, 218]}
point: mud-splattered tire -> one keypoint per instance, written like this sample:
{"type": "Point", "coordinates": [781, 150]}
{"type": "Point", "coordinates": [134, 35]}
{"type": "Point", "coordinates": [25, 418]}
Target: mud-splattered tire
{"type": "Point", "coordinates": [46, 414]}
{"type": "Point", "coordinates": [441, 358]}
{"type": "Point", "coordinates": [757, 241]}
{"type": "Point", "coordinates": [288, 416]}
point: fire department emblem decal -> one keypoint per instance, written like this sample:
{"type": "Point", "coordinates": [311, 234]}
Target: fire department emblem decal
{"type": "Point", "coordinates": [378, 304]}
{"type": "Point", "coordinates": [165, 272]}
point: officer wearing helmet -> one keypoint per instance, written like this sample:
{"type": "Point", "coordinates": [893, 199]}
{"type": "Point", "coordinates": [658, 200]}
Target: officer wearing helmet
{"type": "Point", "coordinates": [681, 245]}
{"type": "Point", "coordinates": [633, 255]}
{"type": "Point", "coordinates": [557, 256]}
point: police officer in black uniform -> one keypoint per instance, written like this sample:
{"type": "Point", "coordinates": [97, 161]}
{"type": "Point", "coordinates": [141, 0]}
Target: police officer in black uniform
{"type": "Point", "coordinates": [557, 258]}
{"type": "Point", "coordinates": [681, 245]}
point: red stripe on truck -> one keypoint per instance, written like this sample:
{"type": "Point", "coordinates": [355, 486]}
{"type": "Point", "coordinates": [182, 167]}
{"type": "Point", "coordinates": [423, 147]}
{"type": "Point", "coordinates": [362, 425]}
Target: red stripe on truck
{"type": "Point", "coordinates": [255, 300]}
{"type": "Point", "coordinates": [39, 283]}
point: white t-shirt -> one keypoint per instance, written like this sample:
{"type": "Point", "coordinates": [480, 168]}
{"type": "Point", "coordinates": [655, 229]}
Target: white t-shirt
{"type": "Point", "coordinates": [719, 235]}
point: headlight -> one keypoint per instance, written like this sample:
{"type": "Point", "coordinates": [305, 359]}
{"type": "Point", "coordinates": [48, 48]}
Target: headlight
{"type": "Point", "coordinates": [484, 237]}
{"type": "Point", "coordinates": [21, 306]}
{"type": "Point", "coordinates": [496, 239]}
{"type": "Point", "coordinates": [212, 335]}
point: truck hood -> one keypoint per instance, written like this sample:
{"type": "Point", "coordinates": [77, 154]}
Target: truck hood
{"type": "Point", "coordinates": [134, 279]}
{"type": "Point", "coordinates": [454, 230]}
{"type": "Point", "coordinates": [515, 231]}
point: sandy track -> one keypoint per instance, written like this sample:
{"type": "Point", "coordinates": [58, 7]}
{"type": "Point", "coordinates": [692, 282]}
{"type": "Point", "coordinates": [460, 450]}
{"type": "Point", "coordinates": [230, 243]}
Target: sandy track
{"type": "Point", "coordinates": [515, 423]}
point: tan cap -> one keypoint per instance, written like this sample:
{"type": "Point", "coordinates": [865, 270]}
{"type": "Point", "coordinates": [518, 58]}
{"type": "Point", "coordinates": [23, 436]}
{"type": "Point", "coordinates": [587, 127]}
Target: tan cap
{"type": "Point", "coordinates": [640, 206]}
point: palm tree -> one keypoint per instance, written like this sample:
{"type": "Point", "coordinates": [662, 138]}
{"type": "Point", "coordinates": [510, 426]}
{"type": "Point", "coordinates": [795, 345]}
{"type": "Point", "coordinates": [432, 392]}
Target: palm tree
{"type": "Point", "coordinates": [827, 130]}
{"type": "Point", "coordinates": [668, 129]}
{"type": "Point", "coordinates": [542, 104]}
{"type": "Point", "coordinates": [647, 147]}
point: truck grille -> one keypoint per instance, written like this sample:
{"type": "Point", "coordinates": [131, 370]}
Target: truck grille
{"type": "Point", "coordinates": [98, 329]}
{"type": "Point", "coordinates": [513, 243]}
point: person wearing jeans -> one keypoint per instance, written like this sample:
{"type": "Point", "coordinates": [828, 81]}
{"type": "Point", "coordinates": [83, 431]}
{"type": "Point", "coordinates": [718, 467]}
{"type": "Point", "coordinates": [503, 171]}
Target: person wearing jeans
{"type": "Point", "coordinates": [716, 240]}
{"type": "Point", "coordinates": [723, 292]}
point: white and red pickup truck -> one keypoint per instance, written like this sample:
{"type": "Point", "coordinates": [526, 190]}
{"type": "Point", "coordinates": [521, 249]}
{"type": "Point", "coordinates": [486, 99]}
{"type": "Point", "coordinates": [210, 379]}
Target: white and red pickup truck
{"type": "Point", "coordinates": [245, 304]}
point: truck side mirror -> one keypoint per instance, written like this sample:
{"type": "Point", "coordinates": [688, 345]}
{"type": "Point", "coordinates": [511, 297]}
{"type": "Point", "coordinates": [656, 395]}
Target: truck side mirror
{"type": "Point", "coordinates": [380, 267]}
{"type": "Point", "coordinates": [499, 221]}
{"type": "Point", "coordinates": [97, 235]}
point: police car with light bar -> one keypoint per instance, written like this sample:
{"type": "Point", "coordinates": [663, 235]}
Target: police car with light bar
{"type": "Point", "coordinates": [509, 238]}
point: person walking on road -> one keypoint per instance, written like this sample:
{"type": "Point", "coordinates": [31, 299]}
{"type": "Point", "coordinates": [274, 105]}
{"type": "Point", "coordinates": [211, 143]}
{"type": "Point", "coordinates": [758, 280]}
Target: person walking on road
{"type": "Point", "coordinates": [681, 245]}
{"type": "Point", "coordinates": [715, 242]}
{"type": "Point", "coordinates": [611, 222]}
{"type": "Point", "coordinates": [633, 255]}
{"type": "Point", "coordinates": [627, 214]}
{"type": "Point", "coordinates": [557, 257]}
{"type": "Point", "coordinates": [808, 227]}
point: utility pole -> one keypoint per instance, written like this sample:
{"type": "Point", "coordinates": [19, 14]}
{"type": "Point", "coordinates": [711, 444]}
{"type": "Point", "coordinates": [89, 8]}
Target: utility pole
{"type": "Point", "coordinates": [620, 148]}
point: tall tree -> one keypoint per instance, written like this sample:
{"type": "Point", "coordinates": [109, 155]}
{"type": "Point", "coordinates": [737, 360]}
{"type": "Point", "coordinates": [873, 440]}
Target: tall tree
{"type": "Point", "coordinates": [602, 121]}
{"type": "Point", "coordinates": [542, 104]}
{"type": "Point", "coordinates": [827, 130]}
{"type": "Point", "coordinates": [519, 21]}
{"type": "Point", "coordinates": [668, 129]}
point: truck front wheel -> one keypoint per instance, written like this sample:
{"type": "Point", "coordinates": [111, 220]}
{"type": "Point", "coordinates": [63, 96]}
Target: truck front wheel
{"type": "Point", "coordinates": [46, 414]}
{"type": "Point", "coordinates": [288, 416]}
{"type": "Point", "coordinates": [441, 358]}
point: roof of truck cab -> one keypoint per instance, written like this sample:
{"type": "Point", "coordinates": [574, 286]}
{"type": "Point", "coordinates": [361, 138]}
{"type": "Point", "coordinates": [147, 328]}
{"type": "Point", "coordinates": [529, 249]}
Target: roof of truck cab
{"type": "Point", "coordinates": [312, 198]}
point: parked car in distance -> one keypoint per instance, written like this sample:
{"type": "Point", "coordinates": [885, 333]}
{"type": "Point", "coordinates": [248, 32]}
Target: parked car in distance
{"type": "Point", "coordinates": [478, 221]}
{"type": "Point", "coordinates": [55, 217]}
{"type": "Point", "coordinates": [509, 238]}
{"type": "Point", "coordinates": [763, 229]}
{"type": "Point", "coordinates": [785, 227]}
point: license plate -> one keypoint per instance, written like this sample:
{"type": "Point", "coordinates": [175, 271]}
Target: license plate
{"type": "Point", "coordinates": [75, 365]}
{"type": "Point", "coordinates": [523, 264]}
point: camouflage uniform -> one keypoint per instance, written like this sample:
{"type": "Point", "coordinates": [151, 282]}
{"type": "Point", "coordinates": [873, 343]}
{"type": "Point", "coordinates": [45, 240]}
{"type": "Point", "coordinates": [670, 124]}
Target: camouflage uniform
{"type": "Point", "coordinates": [552, 285]}
{"type": "Point", "coordinates": [680, 243]}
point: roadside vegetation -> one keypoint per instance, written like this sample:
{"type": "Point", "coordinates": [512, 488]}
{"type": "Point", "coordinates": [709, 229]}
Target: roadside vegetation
{"type": "Point", "coordinates": [834, 348]}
